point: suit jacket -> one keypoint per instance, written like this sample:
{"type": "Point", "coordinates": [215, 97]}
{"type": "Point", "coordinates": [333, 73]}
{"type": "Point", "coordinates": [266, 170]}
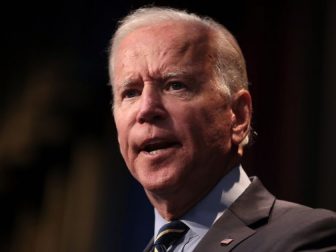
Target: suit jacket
{"type": "Point", "coordinates": [258, 222]}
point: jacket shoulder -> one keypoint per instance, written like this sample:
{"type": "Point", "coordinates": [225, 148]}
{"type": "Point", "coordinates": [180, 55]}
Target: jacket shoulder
{"type": "Point", "coordinates": [300, 213]}
{"type": "Point", "coordinates": [301, 228]}
{"type": "Point", "coordinates": [288, 226]}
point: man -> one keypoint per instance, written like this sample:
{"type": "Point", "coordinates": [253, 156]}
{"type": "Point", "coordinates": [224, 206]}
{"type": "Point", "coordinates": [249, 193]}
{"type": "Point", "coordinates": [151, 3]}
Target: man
{"type": "Point", "coordinates": [183, 112]}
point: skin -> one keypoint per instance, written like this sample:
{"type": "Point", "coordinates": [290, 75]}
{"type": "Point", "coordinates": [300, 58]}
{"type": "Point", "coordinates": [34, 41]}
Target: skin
{"type": "Point", "coordinates": [178, 132]}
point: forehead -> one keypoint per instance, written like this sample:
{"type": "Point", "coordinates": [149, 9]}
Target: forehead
{"type": "Point", "coordinates": [169, 41]}
{"type": "Point", "coordinates": [180, 31]}
{"type": "Point", "coordinates": [175, 30]}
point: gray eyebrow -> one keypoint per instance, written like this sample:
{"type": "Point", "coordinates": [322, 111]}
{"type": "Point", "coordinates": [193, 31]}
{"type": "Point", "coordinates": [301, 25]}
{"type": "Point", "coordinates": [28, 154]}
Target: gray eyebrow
{"type": "Point", "coordinates": [173, 74]}
{"type": "Point", "coordinates": [131, 81]}
{"type": "Point", "coordinates": [128, 82]}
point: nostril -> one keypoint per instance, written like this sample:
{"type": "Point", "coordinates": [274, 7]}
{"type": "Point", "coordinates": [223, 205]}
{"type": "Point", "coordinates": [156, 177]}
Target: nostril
{"type": "Point", "coordinates": [157, 117]}
{"type": "Point", "coordinates": [150, 117]}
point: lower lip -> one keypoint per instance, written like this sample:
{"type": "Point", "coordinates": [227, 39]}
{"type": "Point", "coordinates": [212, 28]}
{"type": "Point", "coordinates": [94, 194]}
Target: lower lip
{"type": "Point", "coordinates": [160, 152]}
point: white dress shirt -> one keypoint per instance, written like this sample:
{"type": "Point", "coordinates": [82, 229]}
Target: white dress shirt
{"type": "Point", "coordinates": [204, 214]}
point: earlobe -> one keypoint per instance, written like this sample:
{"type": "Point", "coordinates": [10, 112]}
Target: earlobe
{"type": "Point", "coordinates": [242, 111]}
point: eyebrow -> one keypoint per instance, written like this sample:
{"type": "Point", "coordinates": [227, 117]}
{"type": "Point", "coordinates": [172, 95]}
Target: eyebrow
{"type": "Point", "coordinates": [173, 74]}
{"type": "Point", "coordinates": [129, 82]}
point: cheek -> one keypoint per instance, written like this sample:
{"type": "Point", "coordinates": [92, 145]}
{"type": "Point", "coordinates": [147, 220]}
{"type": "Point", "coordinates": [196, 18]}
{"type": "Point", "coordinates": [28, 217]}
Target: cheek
{"type": "Point", "coordinates": [122, 135]}
{"type": "Point", "coordinates": [212, 128]}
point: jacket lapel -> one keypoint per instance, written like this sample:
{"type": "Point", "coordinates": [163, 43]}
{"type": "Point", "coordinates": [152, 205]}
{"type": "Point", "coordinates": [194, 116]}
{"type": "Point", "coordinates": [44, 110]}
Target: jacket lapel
{"type": "Point", "coordinates": [228, 229]}
{"type": "Point", "coordinates": [249, 211]}
{"type": "Point", "coordinates": [239, 222]}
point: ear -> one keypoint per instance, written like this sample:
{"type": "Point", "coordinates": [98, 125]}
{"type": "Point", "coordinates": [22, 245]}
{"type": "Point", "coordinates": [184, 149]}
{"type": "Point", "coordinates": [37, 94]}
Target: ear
{"type": "Point", "coordinates": [242, 113]}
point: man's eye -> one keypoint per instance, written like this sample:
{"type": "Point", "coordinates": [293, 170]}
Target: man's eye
{"type": "Point", "coordinates": [175, 86]}
{"type": "Point", "coordinates": [131, 93]}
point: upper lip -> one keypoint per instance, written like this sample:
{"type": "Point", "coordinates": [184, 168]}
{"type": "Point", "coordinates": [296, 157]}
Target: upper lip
{"type": "Point", "coordinates": [157, 143]}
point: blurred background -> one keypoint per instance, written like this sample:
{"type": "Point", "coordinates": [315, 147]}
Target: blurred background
{"type": "Point", "coordinates": [63, 184]}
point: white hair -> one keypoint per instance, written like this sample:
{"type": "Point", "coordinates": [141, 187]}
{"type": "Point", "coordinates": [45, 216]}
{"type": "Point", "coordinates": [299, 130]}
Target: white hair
{"type": "Point", "coordinates": [228, 60]}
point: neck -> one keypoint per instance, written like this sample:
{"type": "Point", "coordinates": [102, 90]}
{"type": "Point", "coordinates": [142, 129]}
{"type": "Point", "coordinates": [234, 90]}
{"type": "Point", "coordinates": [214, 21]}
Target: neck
{"type": "Point", "coordinates": [174, 205]}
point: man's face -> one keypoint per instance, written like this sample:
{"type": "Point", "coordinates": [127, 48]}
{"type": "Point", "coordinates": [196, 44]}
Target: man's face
{"type": "Point", "coordinates": [173, 122]}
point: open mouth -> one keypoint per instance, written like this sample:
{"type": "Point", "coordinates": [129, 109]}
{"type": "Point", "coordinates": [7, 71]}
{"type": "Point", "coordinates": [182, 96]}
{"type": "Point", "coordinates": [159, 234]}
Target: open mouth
{"type": "Point", "coordinates": [155, 147]}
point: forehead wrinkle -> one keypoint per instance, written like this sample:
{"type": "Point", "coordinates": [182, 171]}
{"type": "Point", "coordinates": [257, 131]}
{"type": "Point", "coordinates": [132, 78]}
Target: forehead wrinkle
{"type": "Point", "coordinates": [182, 48]}
{"type": "Point", "coordinates": [172, 63]}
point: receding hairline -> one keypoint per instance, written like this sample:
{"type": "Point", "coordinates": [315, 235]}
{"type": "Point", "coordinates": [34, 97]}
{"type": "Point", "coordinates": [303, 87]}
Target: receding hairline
{"type": "Point", "coordinates": [183, 35]}
{"type": "Point", "coordinates": [151, 16]}
{"type": "Point", "coordinates": [148, 16]}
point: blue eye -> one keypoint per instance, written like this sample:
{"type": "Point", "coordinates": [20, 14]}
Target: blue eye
{"type": "Point", "coordinates": [130, 93]}
{"type": "Point", "coordinates": [176, 86]}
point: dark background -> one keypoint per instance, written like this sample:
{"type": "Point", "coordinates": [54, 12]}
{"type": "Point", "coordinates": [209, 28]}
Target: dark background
{"type": "Point", "coordinates": [63, 184]}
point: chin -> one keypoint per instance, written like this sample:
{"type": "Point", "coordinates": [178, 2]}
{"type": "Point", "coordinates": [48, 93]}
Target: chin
{"type": "Point", "coordinates": [160, 178]}
{"type": "Point", "coordinates": [160, 185]}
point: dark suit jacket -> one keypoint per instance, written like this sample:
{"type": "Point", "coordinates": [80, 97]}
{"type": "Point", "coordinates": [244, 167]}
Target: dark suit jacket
{"type": "Point", "coordinates": [257, 222]}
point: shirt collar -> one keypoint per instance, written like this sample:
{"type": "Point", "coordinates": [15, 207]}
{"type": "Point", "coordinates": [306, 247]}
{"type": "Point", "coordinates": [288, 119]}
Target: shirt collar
{"type": "Point", "coordinates": [201, 217]}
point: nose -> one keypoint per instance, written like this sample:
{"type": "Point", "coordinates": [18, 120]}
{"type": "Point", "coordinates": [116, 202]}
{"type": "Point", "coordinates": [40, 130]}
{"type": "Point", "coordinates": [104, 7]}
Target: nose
{"type": "Point", "coordinates": [151, 108]}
